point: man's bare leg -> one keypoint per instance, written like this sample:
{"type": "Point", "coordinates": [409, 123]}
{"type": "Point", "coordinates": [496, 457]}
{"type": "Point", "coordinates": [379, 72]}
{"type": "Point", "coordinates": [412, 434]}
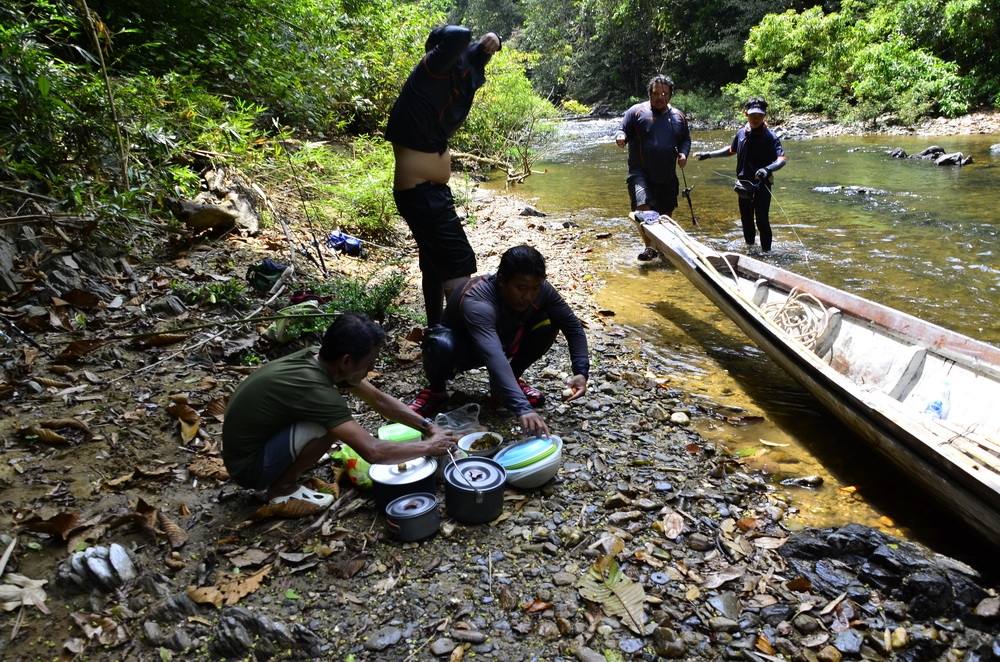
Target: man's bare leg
{"type": "Point", "coordinates": [310, 456]}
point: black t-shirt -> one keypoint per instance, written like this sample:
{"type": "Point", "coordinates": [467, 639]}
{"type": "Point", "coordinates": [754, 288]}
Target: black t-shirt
{"type": "Point", "coordinates": [754, 150]}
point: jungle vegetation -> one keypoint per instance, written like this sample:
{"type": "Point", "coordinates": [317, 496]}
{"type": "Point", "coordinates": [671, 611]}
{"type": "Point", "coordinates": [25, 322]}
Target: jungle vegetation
{"type": "Point", "coordinates": [108, 107]}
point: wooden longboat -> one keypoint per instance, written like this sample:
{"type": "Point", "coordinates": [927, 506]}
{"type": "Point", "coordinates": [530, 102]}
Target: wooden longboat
{"type": "Point", "coordinates": [927, 398]}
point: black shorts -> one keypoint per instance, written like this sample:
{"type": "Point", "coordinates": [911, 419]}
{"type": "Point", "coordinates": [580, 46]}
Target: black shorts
{"type": "Point", "coordinates": [429, 210]}
{"type": "Point", "coordinates": [660, 196]}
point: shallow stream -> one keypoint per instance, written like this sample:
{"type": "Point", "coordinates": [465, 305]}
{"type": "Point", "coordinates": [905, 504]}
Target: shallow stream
{"type": "Point", "coordinates": [909, 234]}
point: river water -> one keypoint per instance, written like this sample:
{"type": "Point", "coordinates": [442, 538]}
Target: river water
{"type": "Point", "coordinates": [920, 238]}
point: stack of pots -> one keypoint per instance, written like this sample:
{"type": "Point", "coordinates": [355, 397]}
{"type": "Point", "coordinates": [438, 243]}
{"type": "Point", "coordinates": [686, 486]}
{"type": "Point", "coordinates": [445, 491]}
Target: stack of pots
{"type": "Point", "coordinates": [532, 463]}
{"type": "Point", "coordinates": [413, 517]}
{"type": "Point", "coordinates": [391, 481]}
{"type": "Point", "coordinates": [473, 490]}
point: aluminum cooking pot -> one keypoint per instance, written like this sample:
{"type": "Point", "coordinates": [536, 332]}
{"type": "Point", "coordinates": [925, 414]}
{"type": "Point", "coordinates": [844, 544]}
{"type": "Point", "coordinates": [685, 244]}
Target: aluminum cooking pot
{"type": "Point", "coordinates": [413, 517]}
{"type": "Point", "coordinates": [391, 481]}
{"type": "Point", "coordinates": [473, 489]}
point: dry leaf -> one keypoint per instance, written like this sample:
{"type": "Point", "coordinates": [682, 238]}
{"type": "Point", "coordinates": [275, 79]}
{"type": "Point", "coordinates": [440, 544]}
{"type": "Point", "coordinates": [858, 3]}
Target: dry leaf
{"type": "Point", "coordinates": [162, 339]}
{"type": "Point", "coordinates": [216, 408]}
{"type": "Point", "coordinates": [81, 299]}
{"type": "Point", "coordinates": [765, 542]}
{"type": "Point", "coordinates": [291, 509]}
{"type": "Point", "coordinates": [727, 574]}
{"type": "Point", "coordinates": [60, 525]}
{"type": "Point", "coordinates": [188, 417]}
{"type": "Point", "coordinates": [673, 526]}
{"type": "Point", "coordinates": [747, 523]}
{"type": "Point", "coordinates": [536, 606]}
{"type": "Point", "coordinates": [618, 595]}
{"type": "Point", "coordinates": [22, 591]}
{"type": "Point", "coordinates": [78, 349]}
{"type": "Point", "coordinates": [246, 557]}
{"type": "Point", "coordinates": [102, 629]}
{"type": "Point", "coordinates": [799, 584]}
{"type": "Point", "coordinates": [206, 466]}
{"type": "Point", "coordinates": [121, 480]}
{"type": "Point", "coordinates": [229, 589]}
{"type": "Point", "coordinates": [764, 646]}
{"type": "Point", "coordinates": [44, 435]}
{"type": "Point", "coordinates": [175, 534]}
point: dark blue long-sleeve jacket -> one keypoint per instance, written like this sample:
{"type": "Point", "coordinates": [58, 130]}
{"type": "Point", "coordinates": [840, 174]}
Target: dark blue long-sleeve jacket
{"type": "Point", "coordinates": [437, 96]}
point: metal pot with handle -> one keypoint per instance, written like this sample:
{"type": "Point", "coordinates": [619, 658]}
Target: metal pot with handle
{"type": "Point", "coordinates": [473, 489]}
{"type": "Point", "coordinates": [391, 481]}
{"type": "Point", "coordinates": [413, 517]}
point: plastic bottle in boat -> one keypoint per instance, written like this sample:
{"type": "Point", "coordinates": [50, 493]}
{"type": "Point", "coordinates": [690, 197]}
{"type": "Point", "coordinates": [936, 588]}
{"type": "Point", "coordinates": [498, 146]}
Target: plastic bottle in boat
{"type": "Point", "coordinates": [942, 406]}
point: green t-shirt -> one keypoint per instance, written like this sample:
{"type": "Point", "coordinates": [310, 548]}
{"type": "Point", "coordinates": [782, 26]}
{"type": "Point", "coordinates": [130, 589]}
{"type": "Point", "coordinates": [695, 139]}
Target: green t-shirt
{"type": "Point", "coordinates": [293, 389]}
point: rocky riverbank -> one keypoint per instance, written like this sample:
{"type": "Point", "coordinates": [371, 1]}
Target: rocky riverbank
{"type": "Point", "coordinates": [804, 125]}
{"type": "Point", "coordinates": [651, 542]}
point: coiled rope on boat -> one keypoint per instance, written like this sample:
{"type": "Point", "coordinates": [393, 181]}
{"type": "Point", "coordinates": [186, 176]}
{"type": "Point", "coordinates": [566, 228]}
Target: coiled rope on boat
{"type": "Point", "coordinates": [805, 323]}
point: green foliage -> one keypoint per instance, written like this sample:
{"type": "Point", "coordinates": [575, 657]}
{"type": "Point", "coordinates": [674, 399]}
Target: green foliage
{"type": "Point", "coordinates": [375, 298]}
{"type": "Point", "coordinates": [574, 107]}
{"type": "Point", "coordinates": [704, 107]}
{"type": "Point", "coordinates": [231, 293]}
{"type": "Point", "coordinates": [508, 120]}
{"type": "Point", "coordinates": [863, 62]}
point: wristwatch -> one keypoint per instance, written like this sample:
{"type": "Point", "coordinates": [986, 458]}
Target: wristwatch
{"type": "Point", "coordinates": [428, 423]}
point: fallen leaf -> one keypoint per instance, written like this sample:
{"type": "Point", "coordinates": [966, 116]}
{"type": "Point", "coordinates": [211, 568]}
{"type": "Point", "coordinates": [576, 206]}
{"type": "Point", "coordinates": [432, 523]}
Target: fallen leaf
{"type": "Point", "coordinates": [161, 340]}
{"type": "Point", "coordinates": [205, 466]}
{"type": "Point", "coordinates": [291, 509]}
{"type": "Point", "coordinates": [216, 408]}
{"type": "Point", "coordinates": [78, 349]}
{"type": "Point", "coordinates": [60, 525]}
{"type": "Point", "coordinates": [100, 628]}
{"type": "Point", "coordinates": [799, 584]}
{"type": "Point", "coordinates": [815, 640]}
{"type": "Point", "coordinates": [229, 589]}
{"type": "Point", "coordinates": [22, 591]}
{"type": "Point", "coordinates": [766, 542]}
{"type": "Point", "coordinates": [536, 606]}
{"type": "Point", "coordinates": [773, 444]}
{"type": "Point", "coordinates": [617, 594]}
{"type": "Point", "coordinates": [119, 481]}
{"type": "Point", "coordinates": [247, 557]}
{"type": "Point", "coordinates": [383, 586]}
{"type": "Point", "coordinates": [44, 435]}
{"type": "Point", "coordinates": [81, 299]}
{"type": "Point", "coordinates": [345, 569]}
{"type": "Point", "coordinates": [188, 417]}
{"type": "Point", "coordinates": [176, 536]}
{"type": "Point", "coordinates": [673, 526]}
{"type": "Point", "coordinates": [763, 645]}
{"type": "Point", "coordinates": [746, 523]}
{"type": "Point", "coordinates": [717, 579]}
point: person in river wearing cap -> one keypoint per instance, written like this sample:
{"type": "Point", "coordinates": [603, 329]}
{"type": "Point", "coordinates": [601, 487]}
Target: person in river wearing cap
{"type": "Point", "coordinates": [433, 103]}
{"type": "Point", "coordinates": [506, 322]}
{"type": "Point", "coordinates": [758, 155]}
{"type": "Point", "coordinates": [658, 137]}
{"type": "Point", "coordinates": [287, 414]}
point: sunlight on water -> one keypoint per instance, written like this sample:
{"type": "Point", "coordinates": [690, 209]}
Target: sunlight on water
{"type": "Point", "coordinates": [906, 233]}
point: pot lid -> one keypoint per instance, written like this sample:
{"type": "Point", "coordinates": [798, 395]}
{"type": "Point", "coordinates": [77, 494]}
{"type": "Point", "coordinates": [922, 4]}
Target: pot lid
{"type": "Point", "coordinates": [411, 505]}
{"type": "Point", "coordinates": [474, 474]}
{"type": "Point", "coordinates": [527, 452]}
{"type": "Point", "coordinates": [403, 473]}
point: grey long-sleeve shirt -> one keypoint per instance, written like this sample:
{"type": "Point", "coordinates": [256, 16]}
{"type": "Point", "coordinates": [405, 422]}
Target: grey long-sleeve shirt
{"type": "Point", "coordinates": [479, 310]}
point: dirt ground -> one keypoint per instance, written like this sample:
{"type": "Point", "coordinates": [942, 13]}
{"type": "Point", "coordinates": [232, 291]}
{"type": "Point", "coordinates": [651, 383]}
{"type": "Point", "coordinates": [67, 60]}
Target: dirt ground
{"type": "Point", "coordinates": [650, 542]}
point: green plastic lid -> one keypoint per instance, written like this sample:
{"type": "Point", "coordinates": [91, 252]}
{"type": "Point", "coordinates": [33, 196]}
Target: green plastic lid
{"type": "Point", "coordinates": [398, 432]}
{"type": "Point", "coordinates": [527, 452]}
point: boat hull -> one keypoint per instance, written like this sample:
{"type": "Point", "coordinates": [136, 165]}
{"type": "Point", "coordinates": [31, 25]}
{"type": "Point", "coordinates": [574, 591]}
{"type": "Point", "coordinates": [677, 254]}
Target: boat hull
{"type": "Point", "coordinates": [921, 448]}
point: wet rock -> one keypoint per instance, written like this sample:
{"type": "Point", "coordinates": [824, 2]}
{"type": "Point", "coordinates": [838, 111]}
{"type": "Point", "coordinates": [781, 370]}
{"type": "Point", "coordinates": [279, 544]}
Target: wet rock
{"type": "Point", "coordinates": [239, 632]}
{"type": "Point", "coordinates": [179, 641]}
{"type": "Point", "coordinates": [897, 153]}
{"type": "Point", "coordinates": [988, 608]}
{"type": "Point", "coordinates": [667, 644]}
{"type": "Point", "coordinates": [168, 305]}
{"type": "Point", "coordinates": [98, 567]}
{"type": "Point", "coordinates": [470, 636]}
{"type": "Point", "coordinates": [153, 632]}
{"type": "Point", "coordinates": [727, 604]}
{"type": "Point", "coordinates": [928, 594]}
{"type": "Point", "coordinates": [584, 654]}
{"type": "Point", "coordinates": [563, 579]}
{"type": "Point", "coordinates": [849, 642]}
{"type": "Point", "coordinates": [680, 418]}
{"type": "Point", "coordinates": [699, 542]}
{"type": "Point", "coordinates": [829, 654]}
{"type": "Point", "coordinates": [810, 482]}
{"type": "Point", "coordinates": [931, 152]}
{"type": "Point", "coordinates": [995, 149]}
{"type": "Point", "coordinates": [532, 211]}
{"type": "Point", "coordinates": [774, 614]}
{"type": "Point", "coordinates": [174, 608]}
{"type": "Point", "coordinates": [955, 158]}
{"type": "Point", "coordinates": [382, 639]}
{"type": "Point", "coordinates": [443, 646]}
{"type": "Point", "coordinates": [630, 645]}
{"type": "Point", "coordinates": [723, 624]}
{"type": "Point", "coordinates": [549, 630]}
{"type": "Point", "coordinates": [899, 638]}
{"type": "Point", "coordinates": [805, 623]}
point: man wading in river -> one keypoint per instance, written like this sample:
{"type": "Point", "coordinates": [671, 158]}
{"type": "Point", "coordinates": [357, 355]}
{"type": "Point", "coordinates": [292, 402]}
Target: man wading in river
{"type": "Point", "coordinates": [433, 103]}
{"type": "Point", "coordinates": [758, 154]}
{"type": "Point", "coordinates": [287, 414]}
{"type": "Point", "coordinates": [658, 137]}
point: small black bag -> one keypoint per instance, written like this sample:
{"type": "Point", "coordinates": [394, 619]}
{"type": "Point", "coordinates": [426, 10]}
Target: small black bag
{"type": "Point", "coordinates": [745, 188]}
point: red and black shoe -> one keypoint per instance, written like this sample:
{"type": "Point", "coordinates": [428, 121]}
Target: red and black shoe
{"type": "Point", "coordinates": [427, 403]}
{"type": "Point", "coordinates": [535, 397]}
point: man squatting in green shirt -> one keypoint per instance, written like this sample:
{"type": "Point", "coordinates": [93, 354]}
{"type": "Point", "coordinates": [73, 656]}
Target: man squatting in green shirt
{"type": "Point", "coordinates": [285, 416]}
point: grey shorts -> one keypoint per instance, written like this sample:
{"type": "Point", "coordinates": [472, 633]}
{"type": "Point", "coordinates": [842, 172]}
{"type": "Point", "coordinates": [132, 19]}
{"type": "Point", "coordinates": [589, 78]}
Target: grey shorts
{"type": "Point", "coordinates": [660, 196]}
{"type": "Point", "coordinates": [284, 448]}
